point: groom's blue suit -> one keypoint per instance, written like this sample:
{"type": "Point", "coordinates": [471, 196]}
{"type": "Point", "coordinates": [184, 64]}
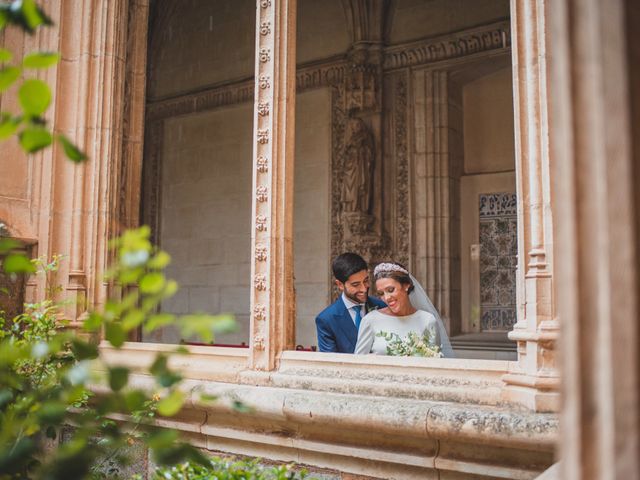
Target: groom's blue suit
{"type": "Point", "coordinates": [335, 327]}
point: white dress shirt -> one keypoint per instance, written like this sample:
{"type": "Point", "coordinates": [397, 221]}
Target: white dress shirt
{"type": "Point", "coordinates": [350, 304]}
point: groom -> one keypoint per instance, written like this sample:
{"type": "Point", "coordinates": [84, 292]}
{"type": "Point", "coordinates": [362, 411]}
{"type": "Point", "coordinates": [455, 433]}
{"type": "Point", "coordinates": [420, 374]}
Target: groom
{"type": "Point", "coordinates": [337, 325]}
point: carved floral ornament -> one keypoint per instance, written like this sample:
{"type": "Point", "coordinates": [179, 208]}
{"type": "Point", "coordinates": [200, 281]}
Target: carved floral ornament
{"type": "Point", "coordinates": [260, 312]}
{"type": "Point", "coordinates": [258, 342]}
{"type": "Point", "coordinates": [263, 136]}
{"type": "Point", "coordinates": [261, 253]}
{"type": "Point", "coordinates": [263, 109]}
{"type": "Point", "coordinates": [265, 28]}
{"type": "Point", "coordinates": [261, 223]}
{"type": "Point", "coordinates": [260, 282]}
{"type": "Point", "coordinates": [263, 164]}
{"type": "Point", "coordinates": [264, 81]}
{"type": "Point", "coordinates": [265, 3]}
{"type": "Point", "coordinates": [262, 193]}
{"type": "Point", "coordinates": [264, 55]}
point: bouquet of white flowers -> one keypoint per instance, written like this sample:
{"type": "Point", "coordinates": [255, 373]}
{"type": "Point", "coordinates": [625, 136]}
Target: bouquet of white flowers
{"type": "Point", "coordinates": [413, 345]}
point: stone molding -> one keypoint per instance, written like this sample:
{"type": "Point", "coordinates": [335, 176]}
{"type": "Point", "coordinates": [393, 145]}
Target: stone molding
{"type": "Point", "coordinates": [326, 410]}
{"type": "Point", "coordinates": [309, 76]}
{"type": "Point", "coordinates": [402, 230]}
{"type": "Point", "coordinates": [486, 38]}
{"type": "Point", "coordinates": [272, 318]}
{"type": "Point", "coordinates": [331, 72]}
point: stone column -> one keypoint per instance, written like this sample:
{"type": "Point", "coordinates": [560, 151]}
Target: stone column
{"type": "Point", "coordinates": [128, 178]}
{"type": "Point", "coordinates": [438, 160]}
{"type": "Point", "coordinates": [272, 290]}
{"type": "Point", "coordinates": [596, 205]}
{"type": "Point", "coordinates": [534, 381]}
{"type": "Point", "coordinates": [89, 104]}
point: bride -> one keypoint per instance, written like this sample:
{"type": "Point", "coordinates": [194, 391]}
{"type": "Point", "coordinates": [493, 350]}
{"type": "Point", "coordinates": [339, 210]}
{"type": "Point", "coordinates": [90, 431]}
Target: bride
{"type": "Point", "coordinates": [409, 309]}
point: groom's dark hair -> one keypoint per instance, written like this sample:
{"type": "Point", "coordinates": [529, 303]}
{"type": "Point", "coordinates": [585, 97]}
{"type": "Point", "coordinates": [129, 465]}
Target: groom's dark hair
{"type": "Point", "coordinates": [347, 264]}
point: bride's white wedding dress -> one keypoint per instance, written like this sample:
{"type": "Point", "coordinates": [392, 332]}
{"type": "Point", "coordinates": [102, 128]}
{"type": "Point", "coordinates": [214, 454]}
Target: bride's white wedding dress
{"type": "Point", "coordinates": [375, 322]}
{"type": "Point", "coordinates": [426, 318]}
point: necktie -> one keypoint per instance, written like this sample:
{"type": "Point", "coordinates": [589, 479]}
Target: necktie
{"type": "Point", "coordinates": [358, 311]}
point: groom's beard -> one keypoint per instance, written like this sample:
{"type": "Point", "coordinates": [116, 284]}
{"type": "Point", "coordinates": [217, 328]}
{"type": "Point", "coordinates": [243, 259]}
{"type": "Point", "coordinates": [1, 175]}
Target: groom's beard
{"type": "Point", "coordinates": [353, 297]}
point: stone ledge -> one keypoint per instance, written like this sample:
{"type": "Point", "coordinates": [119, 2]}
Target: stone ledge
{"type": "Point", "coordinates": [376, 416]}
{"type": "Point", "coordinates": [366, 434]}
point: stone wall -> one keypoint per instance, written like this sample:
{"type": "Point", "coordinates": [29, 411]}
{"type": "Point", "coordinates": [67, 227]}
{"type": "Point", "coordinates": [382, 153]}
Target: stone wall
{"type": "Point", "coordinates": [413, 19]}
{"type": "Point", "coordinates": [206, 222]}
{"type": "Point", "coordinates": [311, 223]}
{"type": "Point", "coordinates": [203, 43]}
{"type": "Point", "coordinates": [488, 124]}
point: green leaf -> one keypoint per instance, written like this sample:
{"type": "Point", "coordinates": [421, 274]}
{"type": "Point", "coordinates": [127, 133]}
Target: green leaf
{"type": "Point", "coordinates": [171, 404]}
{"type": "Point", "coordinates": [152, 283]}
{"type": "Point", "coordinates": [204, 326]}
{"type": "Point", "coordinates": [31, 15]}
{"type": "Point", "coordinates": [159, 365]}
{"type": "Point", "coordinates": [84, 350]}
{"type": "Point", "coordinates": [8, 75]}
{"type": "Point", "coordinates": [8, 125]}
{"type": "Point", "coordinates": [171, 289]}
{"type": "Point", "coordinates": [158, 320]}
{"type": "Point", "coordinates": [93, 323]}
{"type": "Point", "coordinates": [35, 97]}
{"type": "Point", "coordinates": [164, 376]}
{"type": "Point", "coordinates": [135, 400]}
{"type": "Point", "coordinates": [52, 412]}
{"type": "Point", "coordinates": [33, 139]}
{"type": "Point", "coordinates": [8, 244]}
{"type": "Point", "coordinates": [5, 55]}
{"type": "Point", "coordinates": [72, 152]}
{"type": "Point", "coordinates": [159, 260]}
{"type": "Point", "coordinates": [161, 439]}
{"type": "Point", "coordinates": [41, 59]}
{"type": "Point", "coordinates": [115, 334]}
{"type": "Point", "coordinates": [6, 395]}
{"type": "Point", "coordinates": [238, 406]}
{"type": "Point", "coordinates": [18, 263]}
{"type": "Point", "coordinates": [118, 378]}
{"type": "Point", "coordinates": [132, 319]}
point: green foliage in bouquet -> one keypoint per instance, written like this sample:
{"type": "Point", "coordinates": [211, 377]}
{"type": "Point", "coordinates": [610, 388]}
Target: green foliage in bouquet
{"type": "Point", "coordinates": [413, 345]}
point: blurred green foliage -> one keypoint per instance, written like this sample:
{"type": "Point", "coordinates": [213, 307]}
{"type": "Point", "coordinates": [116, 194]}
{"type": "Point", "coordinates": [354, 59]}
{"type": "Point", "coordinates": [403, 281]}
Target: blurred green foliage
{"type": "Point", "coordinates": [34, 95]}
{"type": "Point", "coordinates": [47, 374]}
{"type": "Point", "coordinates": [226, 469]}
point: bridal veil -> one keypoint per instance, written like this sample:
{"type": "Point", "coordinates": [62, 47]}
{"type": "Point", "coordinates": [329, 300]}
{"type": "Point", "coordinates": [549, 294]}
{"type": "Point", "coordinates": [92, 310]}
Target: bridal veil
{"type": "Point", "coordinates": [421, 301]}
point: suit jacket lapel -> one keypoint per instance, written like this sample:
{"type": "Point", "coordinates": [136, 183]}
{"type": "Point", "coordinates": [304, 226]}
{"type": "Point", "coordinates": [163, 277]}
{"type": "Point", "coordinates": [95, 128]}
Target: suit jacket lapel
{"type": "Point", "coordinates": [345, 323]}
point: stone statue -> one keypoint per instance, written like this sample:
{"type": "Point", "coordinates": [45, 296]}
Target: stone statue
{"type": "Point", "coordinates": [357, 174]}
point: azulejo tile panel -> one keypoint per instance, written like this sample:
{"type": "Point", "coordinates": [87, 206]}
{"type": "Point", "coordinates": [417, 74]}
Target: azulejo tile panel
{"type": "Point", "coordinates": [498, 261]}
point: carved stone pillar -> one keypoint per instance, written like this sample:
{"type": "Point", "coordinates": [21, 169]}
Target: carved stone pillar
{"type": "Point", "coordinates": [595, 91]}
{"type": "Point", "coordinates": [438, 160]}
{"type": "Point", "coordinates": [534, 382]}
{"type": "Point", "coordinates": [361, 184]}
{"type": "Point", "coordinates": [272, 291]}
{"type": "Point", "coordinates": [88, 110]}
